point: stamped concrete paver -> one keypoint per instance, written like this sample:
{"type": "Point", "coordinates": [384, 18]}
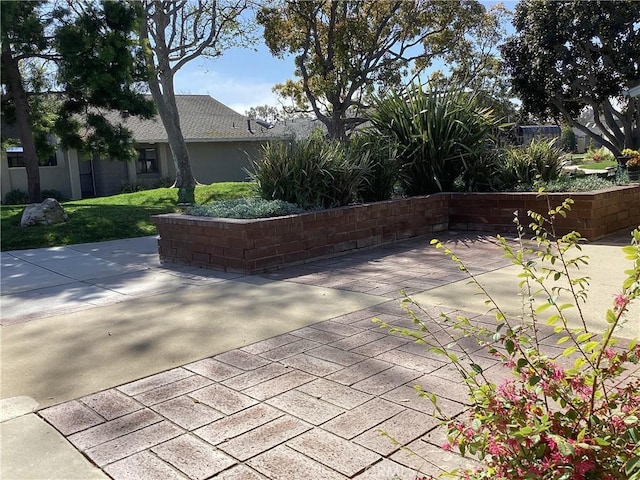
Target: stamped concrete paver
{"type": "Point", "coordinates": [332, 400]}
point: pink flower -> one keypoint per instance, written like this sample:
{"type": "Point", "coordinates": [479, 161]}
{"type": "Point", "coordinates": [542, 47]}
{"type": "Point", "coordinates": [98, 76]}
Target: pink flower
{"type": "Point", "coordinates": [584, 466]}
{"type": "Point", "coordinates": [446, 446]}
{"type": "Point", "coordinates": [620, 301]}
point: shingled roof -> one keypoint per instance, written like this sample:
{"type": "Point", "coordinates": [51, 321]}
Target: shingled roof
{"type": "Point", "coordinates": [203, 119]}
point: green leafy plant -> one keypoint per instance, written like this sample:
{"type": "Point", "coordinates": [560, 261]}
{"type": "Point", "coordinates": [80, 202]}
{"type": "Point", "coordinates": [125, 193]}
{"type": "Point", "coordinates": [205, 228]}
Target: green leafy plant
{"type": "Point", "coordinates": [525, 165]}
{"type": "Point", "coordinates": [441, 136]}
{"type": "Point", "coordinates": [16, 197]}
{"type": "Point", "coordinates": [59, 196]}
{"type": "Point", "coordinates": [599, 155]}
{"type": "Point", "coordinates": [245, 208]}
{"type": "Point", "coordinates": [571, 417]}
{"type": "Point", "coordinates": [312, 173]}
{"type": "Point", "coordinates": [380, 156]}
{"type": "Point", "coordinates": [634, 160]}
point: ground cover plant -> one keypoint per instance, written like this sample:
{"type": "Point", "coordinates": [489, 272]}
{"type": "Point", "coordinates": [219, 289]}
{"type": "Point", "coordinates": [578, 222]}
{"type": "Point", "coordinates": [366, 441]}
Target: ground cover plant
{"type": "Point", "coordinates": [108, 218]}
{"type": "Point", "coordinates": [250, 207]}
{"type": "Point", "coordinates": [572, 416]}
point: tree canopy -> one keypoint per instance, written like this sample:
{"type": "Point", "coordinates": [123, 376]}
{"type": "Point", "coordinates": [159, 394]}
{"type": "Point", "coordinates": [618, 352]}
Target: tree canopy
{"type": "Point", "coordinates": [90, 55]}
{"type": "Point", "coordinates": [173, 34]}
{"type": "Point", "coordinates": [347, 50]}
{"type": "Point", "coordinates": [569, 56]}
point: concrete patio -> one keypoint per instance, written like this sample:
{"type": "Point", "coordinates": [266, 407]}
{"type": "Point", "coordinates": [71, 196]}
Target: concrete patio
{"type": "Point", "coordinates": [114, 366]}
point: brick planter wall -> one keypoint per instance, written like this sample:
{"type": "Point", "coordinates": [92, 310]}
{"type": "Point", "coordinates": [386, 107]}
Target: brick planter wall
{"type": "Point", "coordinates": [253, 246]}
{"type": "Point", "coordinates": [593, 214]}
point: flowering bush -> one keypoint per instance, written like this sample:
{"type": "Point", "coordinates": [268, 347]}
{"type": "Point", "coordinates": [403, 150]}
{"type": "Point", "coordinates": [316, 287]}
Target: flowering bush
{"type": "Point", "coordinates": [570, 417]}
{"type": "Point", "coordinates": [634, 161]}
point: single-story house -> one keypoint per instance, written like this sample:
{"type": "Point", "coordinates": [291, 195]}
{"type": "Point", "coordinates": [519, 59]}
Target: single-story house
{"type": "Point", "coordinates": [220, 141]}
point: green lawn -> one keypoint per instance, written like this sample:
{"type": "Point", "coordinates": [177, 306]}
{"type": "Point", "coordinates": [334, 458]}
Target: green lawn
{"type": "Point", "coordinates": [597, 165]}
{"type": "Point", "coordinates": [107, 218]}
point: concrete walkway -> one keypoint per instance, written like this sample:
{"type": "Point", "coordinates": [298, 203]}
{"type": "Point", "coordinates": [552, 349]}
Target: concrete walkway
{"type": "Point", "coordinates": [161, 373]}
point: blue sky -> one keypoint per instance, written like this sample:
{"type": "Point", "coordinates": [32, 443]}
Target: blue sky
{"type": "Point", "coordinates": [243, 78]}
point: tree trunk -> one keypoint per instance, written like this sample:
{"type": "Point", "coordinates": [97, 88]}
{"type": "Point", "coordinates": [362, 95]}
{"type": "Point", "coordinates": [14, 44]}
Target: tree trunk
{"type": "Point", "coordinates": [23, 121]}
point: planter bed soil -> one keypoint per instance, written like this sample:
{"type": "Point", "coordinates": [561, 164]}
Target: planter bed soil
{"type": "Point", "coordinates": [254, 246]}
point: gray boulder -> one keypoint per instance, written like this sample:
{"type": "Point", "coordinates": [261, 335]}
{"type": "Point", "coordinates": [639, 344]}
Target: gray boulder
{"type": "Point", "coordinates": [48, 212]}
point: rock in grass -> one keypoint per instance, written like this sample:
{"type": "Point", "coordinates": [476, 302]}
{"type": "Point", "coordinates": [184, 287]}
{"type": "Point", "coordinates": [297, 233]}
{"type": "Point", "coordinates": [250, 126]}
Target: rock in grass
{"type": "Point", "coordinates": [49, 212]}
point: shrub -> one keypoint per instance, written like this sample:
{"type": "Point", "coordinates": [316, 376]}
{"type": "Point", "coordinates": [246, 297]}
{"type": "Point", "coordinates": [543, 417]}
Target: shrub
{"type": "Point", "coordinates": [245, 208]}
{"type": "Point", "coordinates": [53, 194]}
{"type": "Point", "coordinates": [132, 187]}
{"type": "Point", "coordinates": [380, 157]}
{"type": "Point", "coordinates": [568, 140]}
{"type": "Point", "coordinates": [16, 197]}
{"type": "Point", "coordinates": [571, 417]}
{"type": "Point", "coordinates": [164, 182]}
{"type": "Point", "coordinates": [599, 155]}
{"type": "Point", "coordinates": [311, 173]}
{"type": "Point", "coordinates": [441, 136]}
{"type": "Point", "coordinates": [526, 165]}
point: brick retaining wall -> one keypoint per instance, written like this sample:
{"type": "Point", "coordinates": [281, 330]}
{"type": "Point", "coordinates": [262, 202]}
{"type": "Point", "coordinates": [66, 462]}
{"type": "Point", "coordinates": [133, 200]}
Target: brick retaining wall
{"type": "Point", "coordinates": [252, 246]}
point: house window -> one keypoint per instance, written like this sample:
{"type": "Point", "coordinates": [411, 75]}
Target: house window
{"type": "Point", "coordinates": [147, 161]}
{"type": "Point", "coordinates": [15, 158]}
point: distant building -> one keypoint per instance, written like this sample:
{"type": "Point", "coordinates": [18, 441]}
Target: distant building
{"type": "Point", "coordinates": [527, 133]}
{"type": "Point", "coordinates": [221, 144]}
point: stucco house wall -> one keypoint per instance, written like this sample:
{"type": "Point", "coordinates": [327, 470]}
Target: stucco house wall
{"type": "Point", "coordinates": [51, 178]}
{"type": "Point", "coordinates": [220, 142]}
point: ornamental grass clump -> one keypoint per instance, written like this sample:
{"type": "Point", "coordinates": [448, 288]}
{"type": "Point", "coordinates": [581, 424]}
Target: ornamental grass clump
{"type": "Point", "coordinates": [568, 416]}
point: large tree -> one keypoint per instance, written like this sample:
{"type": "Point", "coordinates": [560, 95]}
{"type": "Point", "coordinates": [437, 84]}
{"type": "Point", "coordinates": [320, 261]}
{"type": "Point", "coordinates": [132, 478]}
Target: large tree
{"type": "Point", "coordinates": [347, 50]}
{"type": "Point", "coordinates": [100, 71]}
{"type": "Point", "coordinates": [92, 54]}
{"type": "Point", "coordinates": [475, 64]}
{"type": "Point", "coordinates": [23, 40]}
{"type": "Point", "coordinates": [175, 33]}
{"type": "Point", "coordinates": [569, 56]}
